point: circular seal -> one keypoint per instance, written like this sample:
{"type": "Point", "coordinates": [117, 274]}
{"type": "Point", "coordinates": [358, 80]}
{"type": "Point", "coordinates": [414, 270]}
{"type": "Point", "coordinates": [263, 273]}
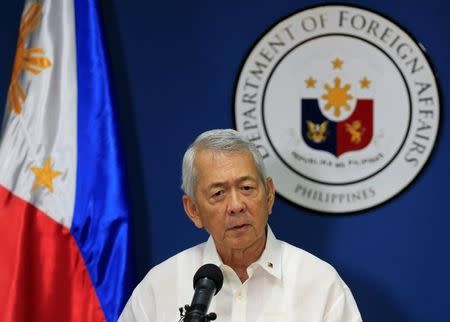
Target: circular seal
{"type": "Point", "coordinates": [343, 105]}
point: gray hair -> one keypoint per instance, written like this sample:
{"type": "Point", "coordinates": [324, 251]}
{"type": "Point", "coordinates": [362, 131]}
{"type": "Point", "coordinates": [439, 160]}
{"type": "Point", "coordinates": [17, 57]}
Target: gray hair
{"type": "Point", "coordinates": [220, 140]}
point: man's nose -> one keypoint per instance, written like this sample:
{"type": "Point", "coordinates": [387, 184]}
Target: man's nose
{"type": "Point", "coordinates": [236, 203]}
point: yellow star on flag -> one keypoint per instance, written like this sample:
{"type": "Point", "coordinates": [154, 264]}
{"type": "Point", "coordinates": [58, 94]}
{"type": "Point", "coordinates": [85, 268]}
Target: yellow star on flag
{"type": "Point", "coordinates": [337, 63]}
{"type": "Point", "coordinates": [45, 175]}
{"type": "Point", "coordinates": [365, 83]}
{"type": "Point", "coordinates": [310, 82]}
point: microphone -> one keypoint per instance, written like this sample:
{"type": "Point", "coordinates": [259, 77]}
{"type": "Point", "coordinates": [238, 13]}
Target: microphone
{"type": "Point", "coordinates": [207, 282]}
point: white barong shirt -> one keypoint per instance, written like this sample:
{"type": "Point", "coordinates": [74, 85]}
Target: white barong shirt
{"type": "Point", "coordinates": [285, 284]}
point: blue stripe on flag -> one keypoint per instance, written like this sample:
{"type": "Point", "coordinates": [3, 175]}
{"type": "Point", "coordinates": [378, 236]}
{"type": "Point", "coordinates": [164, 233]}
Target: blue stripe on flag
{"type": "Point", "coordinates": [101, 215]}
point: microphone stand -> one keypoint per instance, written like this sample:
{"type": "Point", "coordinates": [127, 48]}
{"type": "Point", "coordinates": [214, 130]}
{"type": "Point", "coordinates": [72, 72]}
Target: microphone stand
{"type": "Point", "coordinates": [208, 281]}
{"type": "Point", "coordinates": [189, 315]}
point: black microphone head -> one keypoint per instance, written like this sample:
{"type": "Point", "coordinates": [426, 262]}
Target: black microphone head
{"type": "Point", "coordinates": [212, 272]}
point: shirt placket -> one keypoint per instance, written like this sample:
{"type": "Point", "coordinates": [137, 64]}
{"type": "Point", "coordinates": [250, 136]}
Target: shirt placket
{"type": "Point", "coordinates": [239, 313]}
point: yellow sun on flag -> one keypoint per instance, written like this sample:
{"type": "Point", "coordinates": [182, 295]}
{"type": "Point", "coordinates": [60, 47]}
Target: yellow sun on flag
{"type": "Point", "coordinates": [45, 175]}
{"type": "Point", "coordinates": [337, 96]}
{"type": "Point", "coordinates": [27, 59]}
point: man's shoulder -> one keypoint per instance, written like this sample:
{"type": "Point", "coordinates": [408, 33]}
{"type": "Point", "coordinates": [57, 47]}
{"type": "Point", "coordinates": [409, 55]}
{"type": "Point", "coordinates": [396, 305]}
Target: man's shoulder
{"type": "Point", "coordinates": [172, 276]}
{"type": "Point", "coordinates": [181, 264]}
{"type": "Point", "coordinates": [298, 260]}
{"type": "Point", "coordinates": [316, 281]}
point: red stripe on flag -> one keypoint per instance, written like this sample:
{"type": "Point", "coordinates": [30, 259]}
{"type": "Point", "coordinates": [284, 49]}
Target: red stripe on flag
{"type": "Point", "coordinates": [42, 274]}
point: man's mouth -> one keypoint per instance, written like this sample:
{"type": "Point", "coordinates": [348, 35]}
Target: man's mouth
{"type": "Point", "coordinates": [239, 227]}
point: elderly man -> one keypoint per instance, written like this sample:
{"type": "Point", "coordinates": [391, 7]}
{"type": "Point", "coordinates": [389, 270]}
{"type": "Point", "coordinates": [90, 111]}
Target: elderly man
{"type": "Point", "coordinates": [228, 193]}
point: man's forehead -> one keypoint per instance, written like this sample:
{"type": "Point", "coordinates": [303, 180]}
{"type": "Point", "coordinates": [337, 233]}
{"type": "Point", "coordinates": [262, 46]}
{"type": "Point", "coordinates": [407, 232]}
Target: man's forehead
{"type": "Point", "coordinates": [206, 156]}
{"type": "Point", "coordinates": [223, 161]}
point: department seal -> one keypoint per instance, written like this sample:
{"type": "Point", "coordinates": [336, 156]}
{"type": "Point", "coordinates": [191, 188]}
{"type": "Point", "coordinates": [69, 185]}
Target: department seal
{"type": "Point", "coordinates": [343, 105]}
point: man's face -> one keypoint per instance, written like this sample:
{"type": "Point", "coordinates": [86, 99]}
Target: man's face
{"type": "Point", "coordinates": [231, 200]}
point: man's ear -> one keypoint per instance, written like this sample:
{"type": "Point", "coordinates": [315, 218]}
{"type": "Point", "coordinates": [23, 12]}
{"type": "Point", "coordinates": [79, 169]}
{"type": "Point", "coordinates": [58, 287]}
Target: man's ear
{"type": "Point", "coordinates": [190, 207]}
{"type": "Point", "coordinates": [270, 189]}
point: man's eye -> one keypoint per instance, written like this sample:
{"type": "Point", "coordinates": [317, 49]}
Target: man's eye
{"type": "Point", "coordinates": [247, 188]}
{"type": "Point", "coordinates": [218, 193]}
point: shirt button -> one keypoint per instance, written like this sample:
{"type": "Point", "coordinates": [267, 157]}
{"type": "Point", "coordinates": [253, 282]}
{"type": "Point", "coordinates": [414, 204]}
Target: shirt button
{"type": "Point", "coordinates": [239, 295]}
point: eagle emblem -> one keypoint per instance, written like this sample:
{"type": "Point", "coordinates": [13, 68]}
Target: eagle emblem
{"type": "Point", "coordinates": [317, 132]}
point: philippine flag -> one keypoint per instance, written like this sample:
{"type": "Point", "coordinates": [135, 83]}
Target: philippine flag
{"type": "Point", "coordinates": [64, 219]}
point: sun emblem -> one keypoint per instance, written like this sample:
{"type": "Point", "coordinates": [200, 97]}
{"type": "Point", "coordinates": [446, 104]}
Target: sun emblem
{"type": "Point", "coordinates": [27, 59]}
{"type": "Point", "coordinates": [337, 96]}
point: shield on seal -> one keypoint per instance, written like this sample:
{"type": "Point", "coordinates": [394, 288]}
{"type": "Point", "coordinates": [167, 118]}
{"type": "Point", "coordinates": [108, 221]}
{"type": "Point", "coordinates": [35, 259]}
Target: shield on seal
{"type": "Point", "coordinates": [352, 134]}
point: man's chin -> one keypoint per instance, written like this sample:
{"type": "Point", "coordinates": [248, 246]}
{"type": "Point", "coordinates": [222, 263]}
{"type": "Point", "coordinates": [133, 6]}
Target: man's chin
{"type": "Point", "coordinates": [241, 241]}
